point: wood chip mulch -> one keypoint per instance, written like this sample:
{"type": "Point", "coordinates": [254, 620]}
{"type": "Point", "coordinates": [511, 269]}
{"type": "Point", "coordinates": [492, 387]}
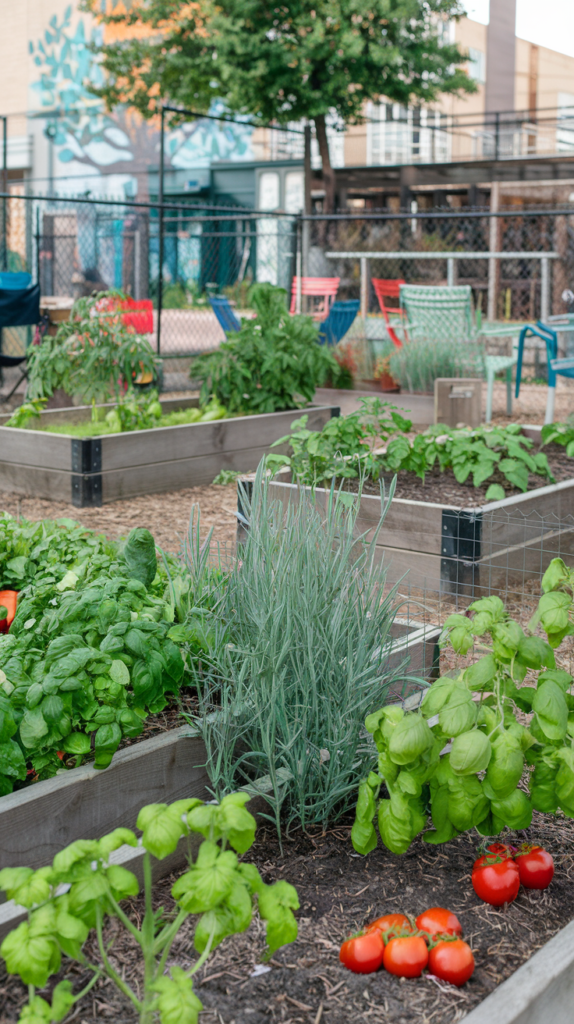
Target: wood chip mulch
{"type": "Point", "coordinates": [165, 515]}
{"type": "Point", "coordinates": [339, 891]}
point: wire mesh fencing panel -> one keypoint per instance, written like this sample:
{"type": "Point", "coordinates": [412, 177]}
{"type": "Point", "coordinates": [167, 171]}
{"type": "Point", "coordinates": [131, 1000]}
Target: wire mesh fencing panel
{"type": "Point", "coordinates": [429, 248]}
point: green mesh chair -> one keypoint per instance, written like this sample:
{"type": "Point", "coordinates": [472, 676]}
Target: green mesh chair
{"type": "Point", "coordinates": [439, 313]}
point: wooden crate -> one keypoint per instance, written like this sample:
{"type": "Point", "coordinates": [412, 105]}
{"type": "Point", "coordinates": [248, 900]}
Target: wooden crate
{"type": "Point", "coordinates": [93, 471]}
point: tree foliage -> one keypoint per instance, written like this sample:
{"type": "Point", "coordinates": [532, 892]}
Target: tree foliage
{"type": "Point", "coordinates": [281, 63]}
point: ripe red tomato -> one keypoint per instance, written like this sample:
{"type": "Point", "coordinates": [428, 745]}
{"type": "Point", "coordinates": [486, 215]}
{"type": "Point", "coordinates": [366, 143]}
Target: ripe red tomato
{"type": "Point", "coordinates": [363, 953]}
{"type": "Point", "coordinates": [390, 922]}
{"type": "Point", "coordinates": [501, 850]}
{"type": "Point", "coordinates": [452, 961]}
{"type": "Point", "coordinates": [495, 883]}
{"type": "Point", "coordinates": [406, 956]}
{"type": "Point", "coordinates": [438, 921]}
{"type": "Point", "coordinates": [535, 867]}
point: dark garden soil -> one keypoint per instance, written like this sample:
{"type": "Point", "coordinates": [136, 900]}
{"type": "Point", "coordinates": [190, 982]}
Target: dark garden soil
{"type": "Point", "coordinates": [443, 488]}
{"type": "Point", "coordinates": [339, 891]}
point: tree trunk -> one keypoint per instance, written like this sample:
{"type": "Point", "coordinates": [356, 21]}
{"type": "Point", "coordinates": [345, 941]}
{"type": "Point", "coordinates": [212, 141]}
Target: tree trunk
{"type": "Point", "coordinates": [328, 172]}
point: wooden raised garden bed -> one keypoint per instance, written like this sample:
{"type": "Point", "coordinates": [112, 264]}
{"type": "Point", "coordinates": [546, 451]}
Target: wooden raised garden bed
{"type": "Point", "coordinates": [465, 552]}
{"type": "Point", "coordinates": [96, 470]}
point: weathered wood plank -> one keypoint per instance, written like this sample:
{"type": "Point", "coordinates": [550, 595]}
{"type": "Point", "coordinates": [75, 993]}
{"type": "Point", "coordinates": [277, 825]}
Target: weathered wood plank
{"type": "Point", "coordinates": [168, 476]}
{"type": "Point", "coordinates": [145, 447]}
{"type": "Point", "coordinates": [35, 448]}
{"type": "Point", "coordinates": [35, 482]}
{"type": "Point", "coordinates": [85, 803]}
{"type": "Point", "coordinates": [415, 524]}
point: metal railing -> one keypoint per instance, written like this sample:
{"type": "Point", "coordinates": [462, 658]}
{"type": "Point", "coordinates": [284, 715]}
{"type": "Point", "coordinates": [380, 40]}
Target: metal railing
{"type": "Point", "coordinates": [450, 258]}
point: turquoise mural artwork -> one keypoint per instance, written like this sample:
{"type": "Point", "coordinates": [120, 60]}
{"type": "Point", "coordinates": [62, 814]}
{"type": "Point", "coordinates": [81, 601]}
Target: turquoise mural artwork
{"type": "Point", "coordinates": [89, 141]}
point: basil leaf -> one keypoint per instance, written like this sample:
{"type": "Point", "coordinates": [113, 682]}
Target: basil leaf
{"type": "Point", "coordinates": [411, 738]}
{"type": "Point", "coordinates": [506, 765]}
{"type": "Point", "coordinates": [470, 753]}
{"type": "Point", "coordinates": [551, 709]}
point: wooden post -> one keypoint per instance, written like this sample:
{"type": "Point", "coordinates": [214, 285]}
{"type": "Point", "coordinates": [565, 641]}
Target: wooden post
{"type": "Point", "coordinates": [494, 246]}
{"type": "Point", "coordinates": [544, 288]}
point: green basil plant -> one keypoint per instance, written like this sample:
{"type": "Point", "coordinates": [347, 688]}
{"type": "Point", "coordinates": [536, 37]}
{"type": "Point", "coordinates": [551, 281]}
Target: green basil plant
{"type": "Point", "coordinates": [83, 887]}
{"type": "Point", "coordinates": [462, 755]}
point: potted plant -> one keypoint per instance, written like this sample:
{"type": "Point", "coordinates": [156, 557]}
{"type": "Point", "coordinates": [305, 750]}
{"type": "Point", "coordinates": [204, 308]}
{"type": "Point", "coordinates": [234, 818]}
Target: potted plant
{"type": "Point", "coordinates": [384, 376]}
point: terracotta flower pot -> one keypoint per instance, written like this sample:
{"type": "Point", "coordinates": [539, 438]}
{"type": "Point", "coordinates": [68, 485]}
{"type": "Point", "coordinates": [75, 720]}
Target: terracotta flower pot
{"type": "Point", "coordinates": [388, 383]}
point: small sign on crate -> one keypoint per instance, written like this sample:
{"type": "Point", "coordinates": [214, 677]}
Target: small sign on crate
{"type": "Point", "coordinates": [458, 401]}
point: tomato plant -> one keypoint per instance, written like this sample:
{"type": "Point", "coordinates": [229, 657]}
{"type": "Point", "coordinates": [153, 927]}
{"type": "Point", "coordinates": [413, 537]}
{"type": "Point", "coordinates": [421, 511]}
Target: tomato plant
{"type": "Point", "coordinates": [495, 881]}
{"type": "Point", "coordinates": [390, 922]}
{"type": "Point", "coordinates": [462, 754]}
{"type": "Point", "coordinates": [452, 961]}
{"type": "Point", "coordinates": [439, 921]}
{"type": "Point", "coordinates": [363, 953]}
{"type": "Point", "coordinates": [406, 956]}
{"type": "Point", "coordinates": [535, 867]}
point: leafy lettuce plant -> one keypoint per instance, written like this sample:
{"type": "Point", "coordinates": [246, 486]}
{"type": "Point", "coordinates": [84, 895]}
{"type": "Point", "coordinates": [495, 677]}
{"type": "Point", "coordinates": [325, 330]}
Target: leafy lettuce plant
{"type": "Point", "coordinates": [273, 363]}
{"type": "Point", "coordinates": [373, 441]}
{"type": "Point", "coordinates": [463, 754]}
{"type": "Point", "coordinates": [559, 433]}
{"type": "Point", "coordinates": [84, 888]}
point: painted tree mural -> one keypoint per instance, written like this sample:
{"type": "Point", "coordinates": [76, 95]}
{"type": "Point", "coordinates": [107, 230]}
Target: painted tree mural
{"type": "Point", "coordinates": [84, 135]}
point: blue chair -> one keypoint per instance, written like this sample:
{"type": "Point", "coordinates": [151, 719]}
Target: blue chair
{"type": "Point", "coordinates": [225, 315]}
{"type": "Point", "coordinates": [16, 281]}
{"type": "Point", "coordinates": [335, 326]}
{"type": "Point", "coordinates": [556, 367]}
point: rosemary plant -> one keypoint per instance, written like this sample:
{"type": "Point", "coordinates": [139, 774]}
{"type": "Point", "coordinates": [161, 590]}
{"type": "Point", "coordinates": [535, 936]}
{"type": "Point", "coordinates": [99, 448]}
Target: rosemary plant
{"type": "Point", "coordinates": [296, 654]}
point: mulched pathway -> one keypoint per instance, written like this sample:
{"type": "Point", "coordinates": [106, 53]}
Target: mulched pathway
{"type": "Point", "coordinates": [339, 891]}
{"type": "Point", "coordinates": [165, 515]}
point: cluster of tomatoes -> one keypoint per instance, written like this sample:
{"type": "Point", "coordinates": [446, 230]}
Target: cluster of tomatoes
{"type": "Point", "coordinates": [405, 949]}
{"type": "Point", "coordinates": [499, 873]}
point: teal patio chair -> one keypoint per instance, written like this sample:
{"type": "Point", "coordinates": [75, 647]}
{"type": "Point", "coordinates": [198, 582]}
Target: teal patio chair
{"type": "Point", "coordinates": [439, 313]}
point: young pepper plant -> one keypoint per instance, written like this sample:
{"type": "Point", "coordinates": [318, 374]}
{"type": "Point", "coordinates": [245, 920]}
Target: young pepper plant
{"type": "Point", "coordinates": [462, 755]}
{"type": "Point", "coordinates": [83, 887]}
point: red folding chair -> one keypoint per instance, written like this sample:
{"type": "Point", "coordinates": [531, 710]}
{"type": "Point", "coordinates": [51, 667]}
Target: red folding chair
{"type": "Point", "coordinates": [139, 315]}
{"type": "Point", "coordinates": [324, 288]}
{"type": "Point", "coordinates": [390, 289]}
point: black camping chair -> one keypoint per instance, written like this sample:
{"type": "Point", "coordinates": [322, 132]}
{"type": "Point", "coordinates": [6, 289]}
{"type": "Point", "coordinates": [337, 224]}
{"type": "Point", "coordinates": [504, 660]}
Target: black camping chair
{"type": "Point", "coordinates": [19, 307]}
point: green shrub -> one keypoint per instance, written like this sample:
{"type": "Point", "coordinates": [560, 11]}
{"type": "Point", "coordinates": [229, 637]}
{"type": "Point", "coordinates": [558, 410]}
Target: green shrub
{"type": "Point", "coordinates": [417, 364]}
{"type": "Point", "coordinates": [295, 655]}
{"type": "Point", "coordinates": [272, 363]}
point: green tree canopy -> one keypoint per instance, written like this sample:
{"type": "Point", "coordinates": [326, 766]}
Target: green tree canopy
{"type": "Point", "coordinates": [282, 62]}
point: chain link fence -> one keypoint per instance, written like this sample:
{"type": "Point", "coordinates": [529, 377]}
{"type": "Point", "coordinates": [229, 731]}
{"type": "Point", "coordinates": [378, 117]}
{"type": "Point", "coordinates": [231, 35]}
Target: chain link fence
{"type": "Point", "coordinates": [77, 245]}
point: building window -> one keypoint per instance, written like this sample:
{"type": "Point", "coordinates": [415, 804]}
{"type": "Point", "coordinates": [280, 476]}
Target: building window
{"type": "Point", "coordinates": [403, 135]}
{"type": "Point", "coordinates": [476, 65]}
